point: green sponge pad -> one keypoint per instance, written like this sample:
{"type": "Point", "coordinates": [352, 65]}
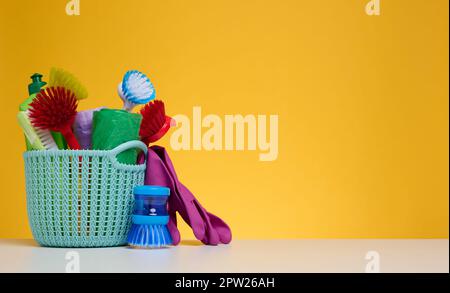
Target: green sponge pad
{"type": "Point", "coordinates": [111, 128]}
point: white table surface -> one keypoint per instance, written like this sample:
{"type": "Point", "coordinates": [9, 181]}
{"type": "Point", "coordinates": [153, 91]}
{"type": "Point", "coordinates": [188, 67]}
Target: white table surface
{"type": "Point", "coordinates": [240, 256]}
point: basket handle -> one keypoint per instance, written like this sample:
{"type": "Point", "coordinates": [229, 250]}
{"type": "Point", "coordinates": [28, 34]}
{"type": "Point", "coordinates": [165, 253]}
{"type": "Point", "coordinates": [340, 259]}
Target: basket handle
{"type": "Point", "coordinates": [134, 144]}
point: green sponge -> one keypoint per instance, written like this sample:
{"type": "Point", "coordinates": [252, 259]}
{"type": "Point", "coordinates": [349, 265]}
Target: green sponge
{"type": "Point", "coordinates": [111, 128]}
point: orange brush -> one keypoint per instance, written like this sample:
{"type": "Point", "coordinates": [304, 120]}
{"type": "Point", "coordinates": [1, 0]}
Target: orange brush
{"type": "Point", "coordinates": [54, 109]}
{"type": "Point", "coordinates": [155, 123]}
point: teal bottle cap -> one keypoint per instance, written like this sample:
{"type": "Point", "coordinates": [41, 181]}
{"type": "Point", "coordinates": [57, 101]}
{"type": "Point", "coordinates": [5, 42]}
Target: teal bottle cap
{"type": "Point", "coordinates": [151, 190]}
{"type": "Point", "coordinates": [37, 84]}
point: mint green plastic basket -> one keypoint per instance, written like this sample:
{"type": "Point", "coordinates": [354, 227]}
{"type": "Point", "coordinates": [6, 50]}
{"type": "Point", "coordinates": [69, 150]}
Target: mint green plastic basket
{"type": "Point", "coordinates": [81, 198]}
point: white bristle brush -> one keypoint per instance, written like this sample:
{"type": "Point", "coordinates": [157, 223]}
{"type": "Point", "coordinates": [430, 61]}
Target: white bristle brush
{"type": "Point", "coordinates": [40, 139]}
{"type": "Point", "coordinates": [135, 89]}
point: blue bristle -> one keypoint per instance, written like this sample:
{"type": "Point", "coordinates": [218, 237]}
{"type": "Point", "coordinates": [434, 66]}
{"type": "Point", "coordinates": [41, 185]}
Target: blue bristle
{"type": "Point", "coordinates": [137, 87]}
{"type": "Point", "coordinates": [149, 236]}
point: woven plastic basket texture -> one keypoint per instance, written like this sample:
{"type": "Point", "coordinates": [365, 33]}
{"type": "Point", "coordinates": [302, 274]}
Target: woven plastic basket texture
{"type": "Point", "coordinates": [81, 198]}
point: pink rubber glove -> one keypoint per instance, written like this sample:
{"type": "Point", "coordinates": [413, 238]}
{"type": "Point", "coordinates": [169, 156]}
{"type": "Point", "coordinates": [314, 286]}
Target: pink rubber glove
{"type": "Point", "coordinates": [208, 228]}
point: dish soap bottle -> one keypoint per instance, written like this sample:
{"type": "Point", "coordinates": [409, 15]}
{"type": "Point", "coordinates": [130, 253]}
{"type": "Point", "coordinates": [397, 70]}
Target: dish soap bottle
{"type": "Point", "coordinates": [33, 89]}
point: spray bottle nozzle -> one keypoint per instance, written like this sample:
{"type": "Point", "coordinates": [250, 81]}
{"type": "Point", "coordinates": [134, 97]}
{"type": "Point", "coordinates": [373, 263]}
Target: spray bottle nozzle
{"type": "Point", "coordinates": [37, 84]}
{"type": "Point", "coordinates": [36, 77]}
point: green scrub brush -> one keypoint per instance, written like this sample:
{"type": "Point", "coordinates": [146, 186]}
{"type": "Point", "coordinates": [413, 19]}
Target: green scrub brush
{"type": "Point", "coordinates": [37, 139]}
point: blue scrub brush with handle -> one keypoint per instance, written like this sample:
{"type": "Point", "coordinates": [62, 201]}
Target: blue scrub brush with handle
{"type": "Point", "coordinates": [135, 89]}
{"type": "Point", "coordinates": [150, 218]}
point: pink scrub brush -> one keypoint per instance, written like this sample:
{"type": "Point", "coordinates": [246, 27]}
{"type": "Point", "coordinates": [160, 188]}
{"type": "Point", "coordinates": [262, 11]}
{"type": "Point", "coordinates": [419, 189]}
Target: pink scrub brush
{"type": "Point", "coordinates": [155, 123]}
{"type": "Point", "coordinates": [55, 109]}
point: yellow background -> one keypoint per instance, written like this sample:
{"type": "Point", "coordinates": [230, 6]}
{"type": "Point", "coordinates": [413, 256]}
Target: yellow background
{"type": "Point", "coordinates": [362, 104]}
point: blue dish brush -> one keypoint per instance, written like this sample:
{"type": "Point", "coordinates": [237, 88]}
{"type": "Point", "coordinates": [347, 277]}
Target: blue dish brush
{"type": "Point", "coordinates": [135, 89]}
{"type": "Point", "coordinates": [150, 218]}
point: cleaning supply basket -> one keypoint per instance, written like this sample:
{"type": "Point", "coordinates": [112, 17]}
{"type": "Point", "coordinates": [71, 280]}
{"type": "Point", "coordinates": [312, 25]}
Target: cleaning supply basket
{"type": "Point", "coordinates": [81, 198]}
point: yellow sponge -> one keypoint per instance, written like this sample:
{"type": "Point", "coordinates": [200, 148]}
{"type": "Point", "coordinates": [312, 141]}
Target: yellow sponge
{"type": "Point", "coordinates": [63, 78]}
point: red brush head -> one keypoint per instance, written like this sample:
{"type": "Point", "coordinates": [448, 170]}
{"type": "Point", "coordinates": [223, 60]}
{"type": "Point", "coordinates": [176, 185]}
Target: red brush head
{"type": "Point", "coordinates": [155, 123]}
{"type": "Point", "coordinates": [53, 109]}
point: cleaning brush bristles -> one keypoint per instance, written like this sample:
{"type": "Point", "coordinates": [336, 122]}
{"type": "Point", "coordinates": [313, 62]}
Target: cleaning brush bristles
{"type": "Point", "coordinates": [38, 139]}
{"type": "Point", "coordinates": [55, 109]}
{"type": "Point", "coordinates": [150, 218]}
{"type": "Point", "coordinates": [47, 139]}
{"type": "Point", "coordinates": [62, 78]}
{"type": "Point", "coordinates": [135, 89]}
{"type": "Point", "coordinates": [149, 236]}
{"type": "Point", "coordinates": [155, 123]}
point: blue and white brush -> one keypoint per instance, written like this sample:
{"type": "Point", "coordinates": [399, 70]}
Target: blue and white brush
{"type": "Point", "coordinates": [150, 218]}
{"type": "Point", "coordinates": [149, 232]}
{"type": "Point", "coordinates": [135, 89]}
